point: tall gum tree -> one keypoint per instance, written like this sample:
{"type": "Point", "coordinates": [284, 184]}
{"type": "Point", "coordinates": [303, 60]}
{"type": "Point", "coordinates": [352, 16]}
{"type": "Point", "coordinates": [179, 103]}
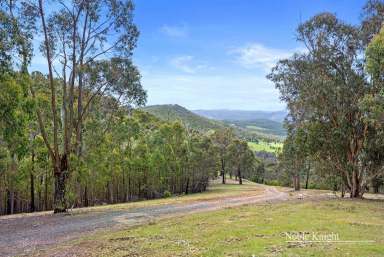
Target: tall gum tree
{"type": "Point", "coordinates": [323, 88]}
{"type": "Point", "coordinates": [88, 47]}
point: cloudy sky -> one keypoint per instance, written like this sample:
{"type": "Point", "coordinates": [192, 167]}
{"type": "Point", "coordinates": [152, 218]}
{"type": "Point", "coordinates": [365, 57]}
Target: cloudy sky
{"type": "Point", "coordinates": [215, 54]}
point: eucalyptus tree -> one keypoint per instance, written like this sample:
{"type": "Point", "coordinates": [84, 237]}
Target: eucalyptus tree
{"type": "Point", "coordinates": [321, 88]}
{"type": "Point", "coordinates": [293, 156]}
{"type": "Point", "coordinates": [222, 139]}
{"type": "Point", "coordinates": [15, 55]}
{"type": "Point", "coordinates": [372, 20]}
{"type": "Point", "coordinates": [13, 130]}
{"type": "Point", "coordinates": [241, 158]}
{"type": "Point", "coordinates": [82, 53]}
{"type": "Point", "coordinates": [325, 88]}
{"type": "Point", "coordinates": [373, 106]}
{"type": "Point", "coordinates": [201, 162]}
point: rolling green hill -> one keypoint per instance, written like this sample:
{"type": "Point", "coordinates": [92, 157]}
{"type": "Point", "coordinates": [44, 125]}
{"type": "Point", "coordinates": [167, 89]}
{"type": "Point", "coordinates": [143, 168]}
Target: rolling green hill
{"type": "Point", "coordinates": [262, 126]}
{"type": "Point", "coordinates": [250, 130]}
{"type": "Point", "coordinates": [173, 112]}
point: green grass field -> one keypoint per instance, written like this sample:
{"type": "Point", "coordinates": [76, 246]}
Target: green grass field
{"type": "Point", "coordinates": [256, 231]}
{"type": "Point", "coordinates": [272, 147]}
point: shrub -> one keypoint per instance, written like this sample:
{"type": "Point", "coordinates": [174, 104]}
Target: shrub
{"type": "Point", "coordinates": [167, 194]}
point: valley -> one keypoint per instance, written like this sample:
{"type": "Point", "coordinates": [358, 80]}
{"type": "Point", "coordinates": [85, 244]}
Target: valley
{"type": "Point", "coordinates": [263, 130]}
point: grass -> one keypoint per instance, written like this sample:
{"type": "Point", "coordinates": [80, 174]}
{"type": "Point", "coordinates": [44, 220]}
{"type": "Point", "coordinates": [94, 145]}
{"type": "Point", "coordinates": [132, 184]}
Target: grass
{"type": "Point", "coordinates": [254, 230]}
{"type": "Point", "coordinates": [256, 128]}
{"type": "Point", "coordinates": [271, 147]}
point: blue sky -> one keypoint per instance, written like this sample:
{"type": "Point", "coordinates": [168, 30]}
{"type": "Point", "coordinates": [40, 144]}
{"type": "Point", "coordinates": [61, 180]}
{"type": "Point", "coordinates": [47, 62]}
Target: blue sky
{"type": "Point", "coordinates": [215, 54]}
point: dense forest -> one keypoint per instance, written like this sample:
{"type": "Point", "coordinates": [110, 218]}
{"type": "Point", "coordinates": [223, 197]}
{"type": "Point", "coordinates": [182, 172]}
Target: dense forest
{"type": "Point", "coordinates": [71, 136]}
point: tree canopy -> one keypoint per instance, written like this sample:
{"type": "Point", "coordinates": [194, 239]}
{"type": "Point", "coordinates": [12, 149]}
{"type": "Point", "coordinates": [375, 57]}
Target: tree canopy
{"type": "Point", "coordinates": [330, 89]}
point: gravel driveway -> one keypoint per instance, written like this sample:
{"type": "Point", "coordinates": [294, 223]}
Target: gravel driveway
{"type": "Point", "coordinates": [22, 235]}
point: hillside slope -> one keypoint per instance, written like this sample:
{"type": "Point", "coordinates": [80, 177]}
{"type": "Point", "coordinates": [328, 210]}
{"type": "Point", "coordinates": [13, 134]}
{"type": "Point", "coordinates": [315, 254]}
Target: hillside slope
{"type": "Point", "coordinates": [173, 112]}
{"type": "Point", "coordinates": [250, 130]}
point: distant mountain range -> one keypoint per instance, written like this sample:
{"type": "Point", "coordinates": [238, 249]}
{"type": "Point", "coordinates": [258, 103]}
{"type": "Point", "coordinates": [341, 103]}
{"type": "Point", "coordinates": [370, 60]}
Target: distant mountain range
{"type": "Point", "coordinates": [249, 125]}
{"type": "Point", "coordinates": [241, 115]}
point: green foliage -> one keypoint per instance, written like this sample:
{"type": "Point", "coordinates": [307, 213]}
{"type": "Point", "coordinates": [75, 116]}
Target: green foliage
{"type": "Point", "coordinates": [334, 110]}
{"type": "Point", "coordinates": [375, 56]}
{"type": "Point", "coordinates": [167, 194]}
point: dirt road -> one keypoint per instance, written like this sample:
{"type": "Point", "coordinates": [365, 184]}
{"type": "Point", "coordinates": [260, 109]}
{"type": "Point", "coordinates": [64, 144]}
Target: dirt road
{"type": "Point", "coordinates": [22, 235]}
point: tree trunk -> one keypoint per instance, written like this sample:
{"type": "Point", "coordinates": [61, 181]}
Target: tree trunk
{"type": "Point", "coordinates": [375, 185]}
{"type": "Point", "coordinates": [39, 195]}
{"type": "Point", "coordinates": [10, 202]}
{"type": "Point", "coordinates": [129, 187]}
{"type": "Point", "coordinates": [110, 192]}
{"type": "Point", "coordinates": [296, 182]}
{"type": "Point", "coordinates": [32, 203]}
{"type": "Point", "coordinates": [187, 187]}
{"type": "Point", "coordinates": [11, 198]}
{"type": "Point", "coordinates": [239, 175]}
{"type": "Point", "coordinates": [223, 171]}
{"type": "Point", "coordinates": [307, 178]}
{"type": "Point", "coordinates": [46, 191]}
{"type": "Point", "coordinates": [86, 201]}
{"type": "Point", "coordinates": [124, 187]}
{"type": "Point", "coordinates": [16, 203]}
{"type": "Point", "coordinates": [356, 186]}
{"type": "Point", "coordinates": [60, 175]}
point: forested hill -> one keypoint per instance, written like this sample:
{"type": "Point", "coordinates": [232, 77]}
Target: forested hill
{"type": "Point", "coordinates": [172, 112]}
{"type": "Point", "coordinates": [250, 130]}
{"type": "Point", "coordinates": [264, 124]}
{"type": "Point", "coordinates": [241, 115]}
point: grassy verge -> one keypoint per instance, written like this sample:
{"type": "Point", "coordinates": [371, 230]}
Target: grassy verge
{"type": "Point", "coordinates": [254, 230]}
{"type": "Point", "coordinates": [272, 147]}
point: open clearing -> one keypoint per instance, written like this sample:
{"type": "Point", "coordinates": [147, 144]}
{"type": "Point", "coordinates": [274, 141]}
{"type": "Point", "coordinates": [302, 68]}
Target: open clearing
{"type": "Point", "coordinates": [216, 225]}
{"type": "Point", "coordinates": [255, 231]}
{"type": "Point", "coordinates": [271, 147]}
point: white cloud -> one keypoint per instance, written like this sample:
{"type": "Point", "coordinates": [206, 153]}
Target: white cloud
{"type": "Point", "coordinates": [256, 55]}
{"type": "Point", "coordinates": [186, 63]}
{"type": "Point", "coordinates": [229, 91]}
{"type": "Point", "coordinates": [175, 31]}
